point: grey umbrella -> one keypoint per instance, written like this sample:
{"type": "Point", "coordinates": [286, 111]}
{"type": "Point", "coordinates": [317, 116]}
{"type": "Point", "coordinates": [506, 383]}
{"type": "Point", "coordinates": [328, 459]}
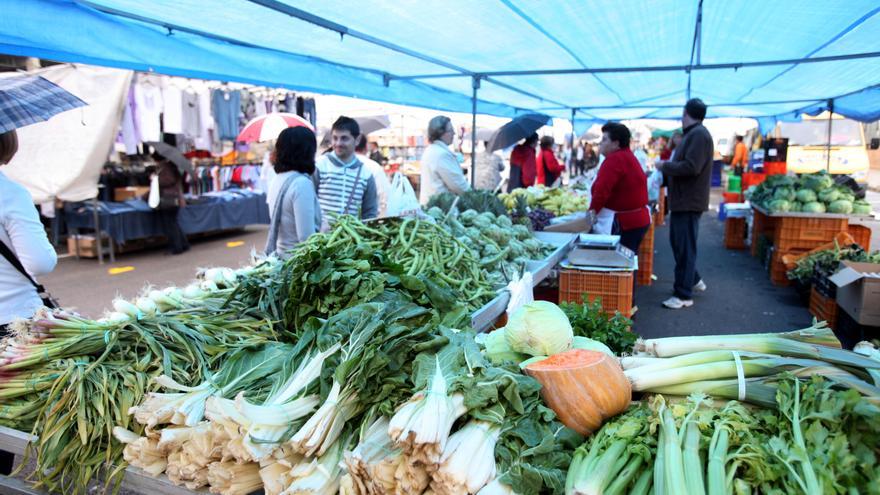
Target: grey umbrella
{"type": "Point", "coordinates": [173, 155]}
{"type": "Point", "coordinates": [519, 128]}
{"type": "Point", "coordinates": [368, 124]}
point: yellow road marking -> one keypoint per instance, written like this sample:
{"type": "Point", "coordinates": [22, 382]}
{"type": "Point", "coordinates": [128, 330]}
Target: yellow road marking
{"type": "Point", "coordinates": [120, 269]}
{"type": "Point", "coordinates": [234, 243]}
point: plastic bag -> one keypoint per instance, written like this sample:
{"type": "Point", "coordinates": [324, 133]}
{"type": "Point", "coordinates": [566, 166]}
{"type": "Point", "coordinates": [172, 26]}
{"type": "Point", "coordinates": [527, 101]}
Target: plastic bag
{"type": "Point", "coordinates": [521, 293]}
{"type": "Point", "coordinates": [401, 197]}
{"type": "Point", "coordinates": [655, 181]}
{"type": "Point", "coordinates": [153, 200]}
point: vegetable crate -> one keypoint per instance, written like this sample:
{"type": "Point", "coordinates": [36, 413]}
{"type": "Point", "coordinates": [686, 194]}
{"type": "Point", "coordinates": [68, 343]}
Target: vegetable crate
{"type": "Point", "coordinates": [778, 269]}
{"type": "Point", "coordinates": [775, 168]}
{"type": "Point", "coordinates": [849, 332]}
{"type": "Point", "coordinates": [861, 234]}
{"type": "Point", "coordinates": [762, 225]}
{"type": "Point", "coordinates": [822, 284]}
{"type": "Point", "coordinates": [661, 207]}
{"type": "Point", "coordinates": [823, 308]}
{"type": "Point", "coordinates": [646, 258]}
{"type": "Point", "coordinates": [732, 197]}
{"type": "Point", "coordinates": [735, 233]}
{"type": "Point", "coordinates": [752, 179]}
{"type": "Point", "coordinates": [615, 289]}
{"type": "Point", "coordinates": [791, 233]}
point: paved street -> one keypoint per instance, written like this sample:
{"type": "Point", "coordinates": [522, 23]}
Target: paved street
{"type": "Point", "coordinates": [90, 287]}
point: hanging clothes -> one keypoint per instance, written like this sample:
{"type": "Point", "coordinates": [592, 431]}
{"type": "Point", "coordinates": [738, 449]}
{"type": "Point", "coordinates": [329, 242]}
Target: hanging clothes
{"type": "Point", "coordinates": [205, 137]}
{"type": "Point", "coordinates": [148, 107]}
{"type": "Point", "coordinates": [129, 132]}
{"type": "Point", "coordinates": [172, 109]}
{"type": "Point", "coordinates": [226, 106]}
{"type": "Point", "coordinates": [191, 113]}
{"type": "Point", "coordinates": [309, 111]}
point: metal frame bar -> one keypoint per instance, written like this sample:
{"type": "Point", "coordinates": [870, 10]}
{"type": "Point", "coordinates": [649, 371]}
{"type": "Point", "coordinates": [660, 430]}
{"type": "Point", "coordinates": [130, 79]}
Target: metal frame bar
{"type": "Point", "coordinates": [830, 120]}
{"type": "Point", "coordinates": [656, 68]}
{"type": "Point", "coordinates": [695, 45]}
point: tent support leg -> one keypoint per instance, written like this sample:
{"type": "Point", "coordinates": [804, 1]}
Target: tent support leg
{"type": "Point", "coordinates": [571, 153]}
{"type": "Point", "coordinates": [476, 86]}
{"type": "Point", "coordinates": [830, 114]}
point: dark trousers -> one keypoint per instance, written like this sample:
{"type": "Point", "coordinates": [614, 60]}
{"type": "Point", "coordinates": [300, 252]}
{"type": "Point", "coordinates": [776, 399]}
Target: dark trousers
{"type": "Point", "coordinates": [684, 227]}
{"type": "Point", "coordinates": [177, 242]}
{"type": "Point", "coordinates": [631, 239]}
{"type": "Point", "coordinates": [515, 180]}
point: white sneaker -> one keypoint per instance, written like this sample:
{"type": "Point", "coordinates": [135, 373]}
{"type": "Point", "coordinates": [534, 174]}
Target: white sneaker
{"type": "Point", "coordinates": [701, 286]}
{"type": "Point", "coordinates": [676, 303]}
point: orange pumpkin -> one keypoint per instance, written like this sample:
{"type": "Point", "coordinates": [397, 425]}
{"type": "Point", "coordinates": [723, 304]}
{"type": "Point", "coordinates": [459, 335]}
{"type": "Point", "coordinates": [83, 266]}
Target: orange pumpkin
{"type": "Point", "coordinates": [584, 388]}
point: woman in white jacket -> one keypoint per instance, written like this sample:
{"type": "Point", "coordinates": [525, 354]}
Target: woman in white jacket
{"type": "Point", "coordinates": [22, 232]}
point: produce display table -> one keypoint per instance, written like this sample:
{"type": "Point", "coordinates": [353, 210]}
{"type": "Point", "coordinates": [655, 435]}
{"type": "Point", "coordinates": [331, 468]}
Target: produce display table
{"type": "Point", "coordinates": [485, 317]}
{"type": "Point", "coordinates": [134, 219]}
{"type": "Point", "coordinates": [134, 480]}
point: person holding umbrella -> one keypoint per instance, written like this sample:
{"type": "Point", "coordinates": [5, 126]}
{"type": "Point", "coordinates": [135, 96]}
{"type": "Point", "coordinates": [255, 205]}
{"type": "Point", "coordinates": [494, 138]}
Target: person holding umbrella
{"type": "Point", "coordinates": [169, 161]}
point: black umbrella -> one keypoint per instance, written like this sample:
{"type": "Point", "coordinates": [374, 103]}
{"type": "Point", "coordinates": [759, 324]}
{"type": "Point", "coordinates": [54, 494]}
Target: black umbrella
{"type": "Point", "coordinates": [519, 128]}
{"type": "Point", "coordinates": [173, 155]}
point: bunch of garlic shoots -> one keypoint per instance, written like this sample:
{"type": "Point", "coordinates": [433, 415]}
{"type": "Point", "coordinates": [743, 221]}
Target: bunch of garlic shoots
{"type": "Point", "coordinates": [231, 478]}
{"type": "Point", "coordinates": [321, 475]}
{"type": "Point", "coordinates": [421, 426]}
{"type": "Point", "coordinates": [468, 462]}
{"type": "Point", "coordinates": [373, 463]}
{"type": "Point", "coordinates": [141, 452]}
{"type": "Point", "coordinates": [183, 408]}
{"type": "Point", "coordinates": [323, 428]}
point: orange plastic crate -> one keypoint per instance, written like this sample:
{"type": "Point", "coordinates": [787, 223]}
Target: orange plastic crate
{"type": "Point", "coordinates": [750, 179]}
{"type": "Point", "coordinates": [732, 197]}
{"type": "Point", "coordinates": [646, 258]}
{"type": "Point", "coordinates": [735, 233]}
{"type": "Point", "coordinates": [614, 289]}
{"type": "Point", "coordinates": [823, 308]}
{"type": "Point", "coordinates": [778, 270]}
{"type": "Point", "coordinates": [791, 233]}
{"type": "Point", "coordinates": [862, 235]}
{"type": "Point", "coordinates": [761, 225]}
{"type": "Point", "coordinates": [661, 207]}
{"type": "Point", "coordinates": [775, 168]}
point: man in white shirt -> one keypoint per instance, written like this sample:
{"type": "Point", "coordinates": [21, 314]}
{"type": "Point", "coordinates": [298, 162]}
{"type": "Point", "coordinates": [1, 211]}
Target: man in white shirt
{"type": "Point", "coordinates": [383, 185]}
{"type": "Point", "coordinates": [441, 171]}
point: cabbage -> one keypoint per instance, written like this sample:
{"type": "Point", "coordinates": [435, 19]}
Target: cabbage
{"type": "Point", "coordinates": [841, 206]}
{"type": "Point", "coordinates": [829, 195]}
{"type": "Point", "coordinates": [779, 205]}
{"type": "Point", "coordinates": [814, 207]}
{"type": "Point", "coordinates": [806, 196]}
{"type": "Point", "coordinates": [784, 193]}
{"type": "Point", "coordinates": [795, 206]}
{"type": "Point", "coordinates": [862, 207]}
{"type": "Point", "coordinates": [590, 345]}
{"type": "Point", "coordinates": [817, 182]}
{"type": "Point", "coordinates": [539, 328]}
{"type": "Point", "coordinates": [498, 350]}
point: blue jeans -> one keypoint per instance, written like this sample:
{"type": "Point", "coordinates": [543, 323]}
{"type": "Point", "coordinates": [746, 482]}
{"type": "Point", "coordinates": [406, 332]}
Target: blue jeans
{"type": "Point", "coordinates": [684, 228]}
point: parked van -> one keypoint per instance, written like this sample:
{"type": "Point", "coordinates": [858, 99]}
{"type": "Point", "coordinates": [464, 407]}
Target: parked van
{"type": "Point", "coordinates": [808, 146]}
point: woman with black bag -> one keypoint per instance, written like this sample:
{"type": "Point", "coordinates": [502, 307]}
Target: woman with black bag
{"type": "Point", "coordinates": [171, 200]}
{"type": "Point", "coordinates": [23, 243]}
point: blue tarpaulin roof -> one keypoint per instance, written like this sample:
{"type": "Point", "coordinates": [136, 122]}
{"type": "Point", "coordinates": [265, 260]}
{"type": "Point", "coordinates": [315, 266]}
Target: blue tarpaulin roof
{"type": "Point", "coordinates": [610, 59]}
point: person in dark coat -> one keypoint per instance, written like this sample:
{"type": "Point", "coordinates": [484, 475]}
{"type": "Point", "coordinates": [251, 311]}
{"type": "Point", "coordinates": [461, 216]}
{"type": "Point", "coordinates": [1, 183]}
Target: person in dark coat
{"type": "Point", "coordinates": [171, 200]}
{"type": "Point", "coordinates": [689, 178]}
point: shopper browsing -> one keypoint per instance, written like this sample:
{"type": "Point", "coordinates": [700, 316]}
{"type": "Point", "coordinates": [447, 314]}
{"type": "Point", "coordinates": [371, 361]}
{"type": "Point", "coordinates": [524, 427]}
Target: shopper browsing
{"type": "Point", "coordinates": [740, 156]}
{"type": "Point", "coordinates": [294, 207]}
{"type": "Point", "coordinates": [25, 240]}
{"type": "Point", "coordinates": [489, 167]}
{"type": "Point", "coordinates": [523, 164]}
{"type": "Point", "coordinates": [620, 193]}
{"type": "Point", "coordinates": [441, 171]}
{"type": "Point", "coordinates": [345, 185]}
{"type": "Point", "coordinates": [689, 178]}
{"type": "Point", "coordinates": [383, 185]}
{"type": "Point", "coordinates": [171, 200]}
{"type": "Point", "coordinates": [547, 167]}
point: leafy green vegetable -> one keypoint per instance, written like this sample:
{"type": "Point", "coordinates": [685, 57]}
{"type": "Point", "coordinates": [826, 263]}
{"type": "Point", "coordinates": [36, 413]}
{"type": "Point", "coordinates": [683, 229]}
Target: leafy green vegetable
{"type": "Point", "coordinates": [589, 320]}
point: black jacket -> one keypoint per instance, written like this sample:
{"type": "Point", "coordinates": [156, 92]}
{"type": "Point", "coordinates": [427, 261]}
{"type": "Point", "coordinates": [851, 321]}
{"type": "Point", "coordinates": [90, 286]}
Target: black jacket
{"type": "Point", "coordinates": [689, 173]}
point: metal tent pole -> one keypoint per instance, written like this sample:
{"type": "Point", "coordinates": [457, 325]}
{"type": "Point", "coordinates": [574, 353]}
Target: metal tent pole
{"type": "Point", "coordinates": [830, 114]}
{"type": "Point", "coordinates": [571, 154]}
{"type": "Point", "coordinates": [476, 86]}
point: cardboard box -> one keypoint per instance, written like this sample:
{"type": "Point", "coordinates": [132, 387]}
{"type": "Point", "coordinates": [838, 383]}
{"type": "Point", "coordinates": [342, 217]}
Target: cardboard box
{"type": "Point", "coordinates": [858, 291]}
{"type": "Point", "coordinates": [125, 193]}
{"type": "Point", "coordinates": [87, 246]}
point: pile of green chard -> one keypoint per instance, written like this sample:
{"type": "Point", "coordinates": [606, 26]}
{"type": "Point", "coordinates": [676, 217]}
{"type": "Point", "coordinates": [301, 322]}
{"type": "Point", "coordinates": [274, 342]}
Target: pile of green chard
{"type": "Point", "coordinates": [819, 439]}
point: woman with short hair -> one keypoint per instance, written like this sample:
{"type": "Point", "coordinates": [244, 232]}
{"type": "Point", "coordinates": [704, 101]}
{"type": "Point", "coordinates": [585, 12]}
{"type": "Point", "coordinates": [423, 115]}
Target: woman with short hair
{"type": "Point", "coordinates": [294, 207]}
{"type": "Point", "coordinates": [548, 168]}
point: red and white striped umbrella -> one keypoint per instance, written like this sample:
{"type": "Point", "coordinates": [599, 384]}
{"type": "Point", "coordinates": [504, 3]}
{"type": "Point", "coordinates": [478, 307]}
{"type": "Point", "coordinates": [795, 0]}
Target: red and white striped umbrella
{"type": "Point", "coordinates": [268, 127]}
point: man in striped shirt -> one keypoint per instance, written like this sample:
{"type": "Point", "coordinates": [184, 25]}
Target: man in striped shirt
{"type": "Point", "coordinates": [345, 185]}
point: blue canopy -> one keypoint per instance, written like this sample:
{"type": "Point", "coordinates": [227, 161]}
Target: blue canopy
{"type": "Point", "coordinates": [608, 59]}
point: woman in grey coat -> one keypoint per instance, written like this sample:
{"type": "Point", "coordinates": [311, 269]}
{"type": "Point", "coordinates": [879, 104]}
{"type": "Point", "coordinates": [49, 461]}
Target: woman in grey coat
{"type": "Point", "coordinates": [293, 201]}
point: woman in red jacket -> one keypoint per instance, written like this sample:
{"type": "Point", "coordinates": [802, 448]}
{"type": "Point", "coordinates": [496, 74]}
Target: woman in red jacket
{"type": "Point", "coordinates": [547, 166]}
{"type": "Point", "coordinates": [620, 192]}
{"type": "Point", "coordinates": [522, 164]}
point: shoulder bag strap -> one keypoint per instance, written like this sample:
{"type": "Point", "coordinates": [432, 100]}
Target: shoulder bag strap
{"type": "Point", "coordinates": [354, 186]}
{"type": "Point", "coordinates": [14, 261]}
